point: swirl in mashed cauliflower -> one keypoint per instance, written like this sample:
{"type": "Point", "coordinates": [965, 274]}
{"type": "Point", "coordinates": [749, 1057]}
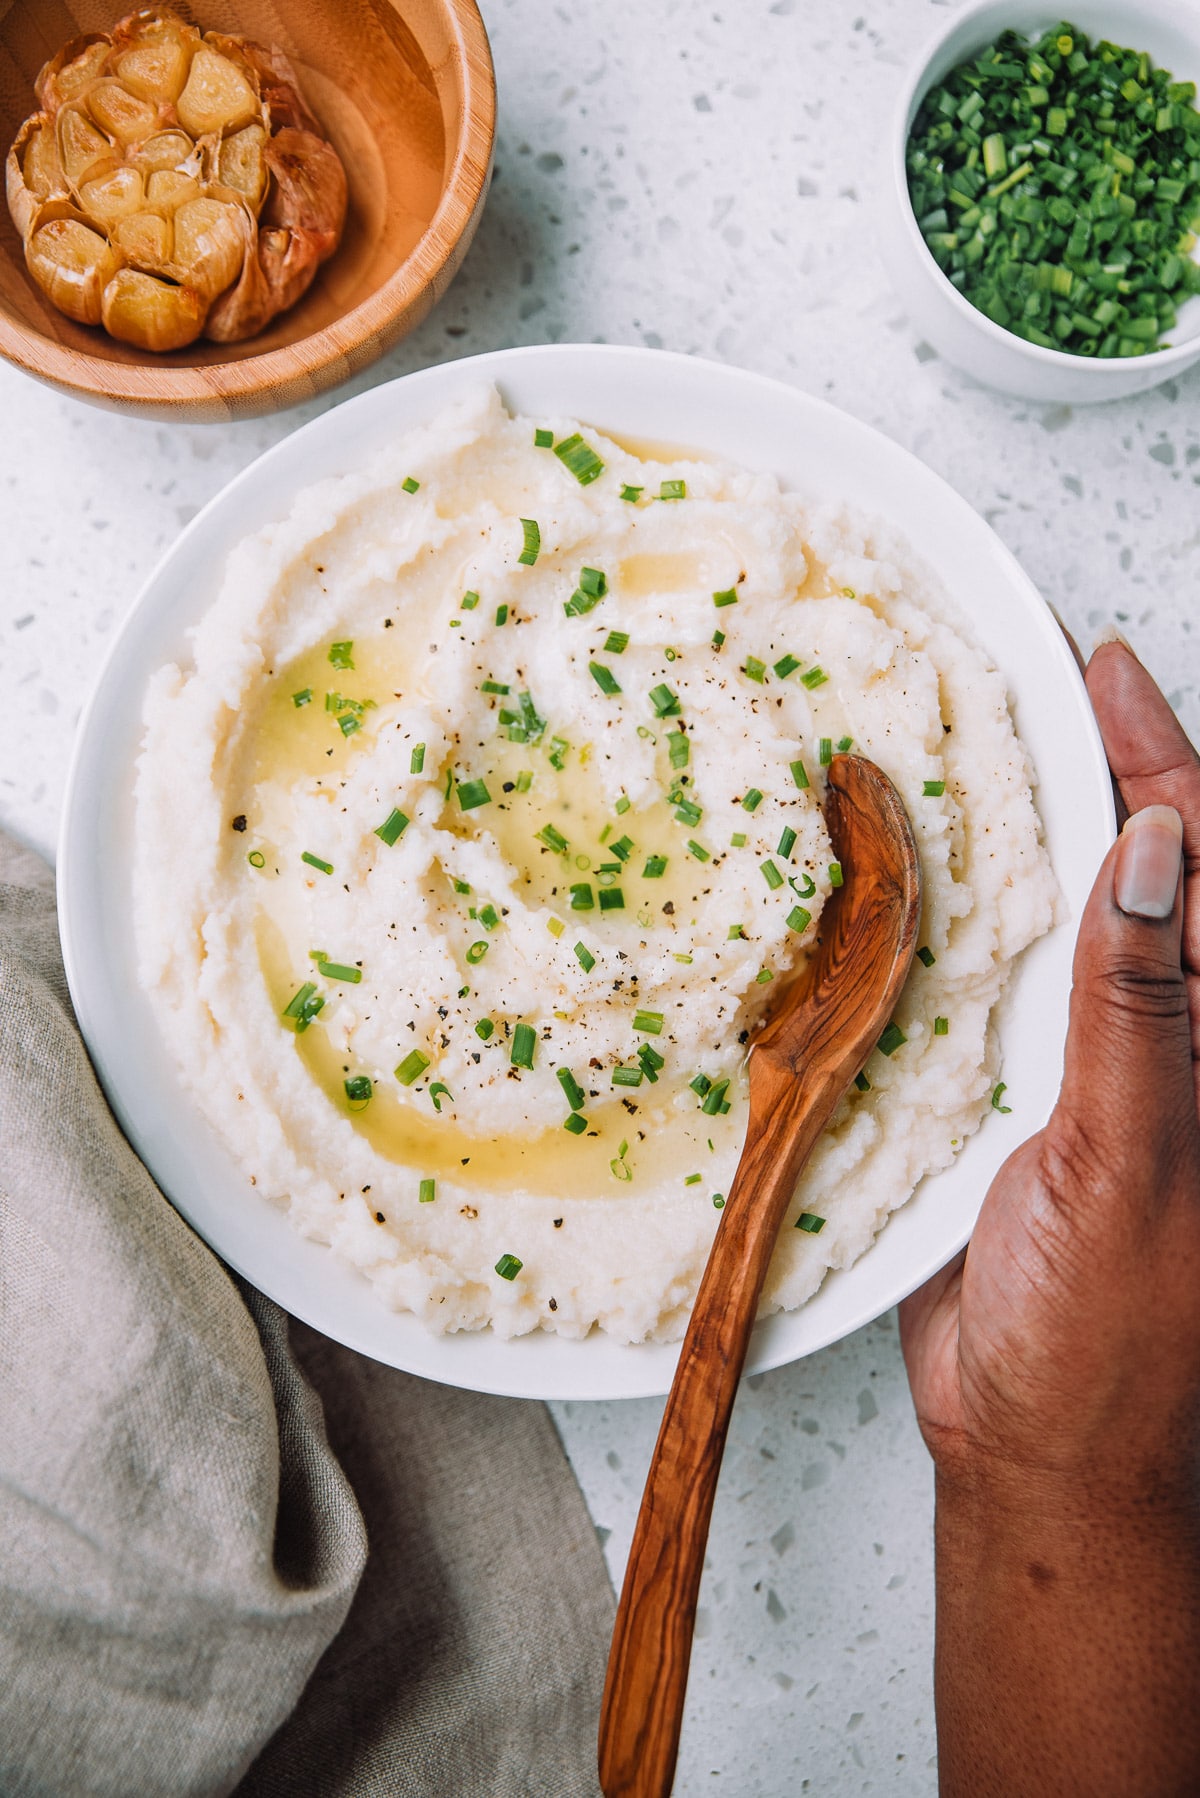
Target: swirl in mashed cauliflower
{"type": "Point", "coordinates": [485, 823]}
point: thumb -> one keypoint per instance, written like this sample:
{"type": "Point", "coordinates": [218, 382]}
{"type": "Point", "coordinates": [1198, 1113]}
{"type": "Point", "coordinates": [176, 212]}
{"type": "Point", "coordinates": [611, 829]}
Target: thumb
{"type": "Point", "coordinates": [1128, 1085]}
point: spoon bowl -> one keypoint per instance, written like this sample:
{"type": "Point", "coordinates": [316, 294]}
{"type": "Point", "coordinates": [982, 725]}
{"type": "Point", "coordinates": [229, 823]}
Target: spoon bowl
{"type": "Point", "coordinates": [828, 1021]}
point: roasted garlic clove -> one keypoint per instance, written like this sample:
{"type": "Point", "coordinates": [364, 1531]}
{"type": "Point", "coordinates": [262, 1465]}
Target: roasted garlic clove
{"type": "Point", "coordinates": [210, 245]}
{"type": "Point", "coordinates": [73, 266]}
{"type": "Point", "coordinates": [240, 164]}
{"type": "Point", "coordinates": [145, 240]}
{"type": "Point", "coordinates": [74, 68]}
{"type": "Point", "coordinates": [82, 150]}
{"type": "Point", "coordinates": [151, 314]}
{"type": "Point", "coordinates": [119, 114]}
{"type": "Point", "coordinates": [217, 97]}
{"type": "Point", "coordinates": [168, 150]}
{"type": "Point", "coordinates": [112, 196]}
{"type": "Point", "coordinates": [152, 56]}
{"type": "Point", "coordinates": [168, 188]}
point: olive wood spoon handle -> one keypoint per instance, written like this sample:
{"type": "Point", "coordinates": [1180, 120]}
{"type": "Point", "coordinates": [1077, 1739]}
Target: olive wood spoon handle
{"type": "Point", "coordinates": [828, 1021]}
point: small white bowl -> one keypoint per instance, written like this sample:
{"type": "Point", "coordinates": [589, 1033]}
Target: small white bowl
{"type": "Point", "coordinates": [1170, 31]}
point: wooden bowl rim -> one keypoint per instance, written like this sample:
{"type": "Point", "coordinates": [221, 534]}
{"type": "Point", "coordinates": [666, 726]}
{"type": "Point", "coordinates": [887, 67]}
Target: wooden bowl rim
{"type": "Point", "coordinates": [171, 387]}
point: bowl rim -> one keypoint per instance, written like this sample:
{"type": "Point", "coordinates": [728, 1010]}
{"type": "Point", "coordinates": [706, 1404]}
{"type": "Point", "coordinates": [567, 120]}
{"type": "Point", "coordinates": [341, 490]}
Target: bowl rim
{"type": "Point", "coordinates": [614, 381]}
{"type": "Point", "coordinates": [1102, 370]}
{"type": "Point", "coordinates": [167, 387]}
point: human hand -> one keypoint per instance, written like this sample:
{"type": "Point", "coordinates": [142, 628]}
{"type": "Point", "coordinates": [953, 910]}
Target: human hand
{"type": "Point", "coordinates": [1055, 1367]}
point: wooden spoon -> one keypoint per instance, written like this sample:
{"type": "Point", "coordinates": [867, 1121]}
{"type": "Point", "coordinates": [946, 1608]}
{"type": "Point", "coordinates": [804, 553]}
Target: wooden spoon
{"type": "Point", "coordinates": [800, 1065]}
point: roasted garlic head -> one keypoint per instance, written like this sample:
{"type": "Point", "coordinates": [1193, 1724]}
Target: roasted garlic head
{"type": "Point", "coordinates": [173, 184]}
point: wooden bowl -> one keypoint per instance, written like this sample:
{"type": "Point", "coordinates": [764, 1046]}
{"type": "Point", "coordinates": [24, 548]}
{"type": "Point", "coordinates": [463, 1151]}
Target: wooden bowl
{"type": "Point", "coordinates": [406, 94]}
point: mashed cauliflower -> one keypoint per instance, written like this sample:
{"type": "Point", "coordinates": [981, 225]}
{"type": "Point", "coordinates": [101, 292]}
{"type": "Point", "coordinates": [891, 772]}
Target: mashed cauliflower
{"type": "Point", "coordinates": [481, 828]}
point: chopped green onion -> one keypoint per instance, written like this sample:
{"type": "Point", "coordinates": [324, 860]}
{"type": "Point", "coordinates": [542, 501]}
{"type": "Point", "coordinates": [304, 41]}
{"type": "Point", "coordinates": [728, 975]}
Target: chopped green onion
{"type": "Point", "coordinates": [348, 724]}
{"type": "Point", "coordinates": [762, 977]}
{"type": "Point", "coordinates": [738, 840]}
{"type": "Point", "coordinates": [619, 1167]}
{"type": "Point", "coordinates": [698, 850]}
{"type": "Point", "coordinates": [257, 859]}
{"type": "Point", "coordinates": [543, 439]}
{"type": "Point", "coordinates": [616, 643]}
{"type": "Point", "coordinates": [798, 919]}
{"type": "Point", "coordinates": [462, 886]}
{"type": "Point", "coordinates": [715, 1101]}
{"type": "Point", "coordinates": [523, 1043]}
{"type": "Point", "coordinates": [437, 1092]}
{"type": "Point", "coordinates": [752, 800]}
{"type": "Point", "coordinates": [576, 1097]}
{"type": "Point", "coordinates": [581, 897]}
{"type": "Point", "coordinates": [622, 806]}
{"type": "Point", "coordinates": [580, 458]}
{"type": "Point", "coordinates": [593, 582]}
{"type": "Point", "coordinates": [417, 760]}
{"type": "Point", "coordinates": [489, 917]}
{"type": "Point", "coordinates": [678, 748]}
{"type": "Point", "coordinates": [701, 1084]}
{"type": "Point", "coordinates": [825, 751]}
{"type": "Point", "coordinates": [718, 1201]}
{"type": "Point", "coordinates": [892, 1039]}
{"type": "Point", "coordinates": [726, 598]}
{"type": "Point", "coordinates": [472, 793]}
{"type": "Point", "coordinates": [692, 1179]}
{"type": "Point", "coordinates": [656, 867]}
{"type": "Point", "coordinates": [836, 877]}
{"type": "Point", "coordinates": [787, 842]}
{"type": "Point", "coordinates": [477, 951]}
{"type": "Point", "coordinates": [303, 697]}
{"type": "Point", "coordinates": [927, 956]}
{"type": "Point", "coordinates": [631, 493]}
{"type": "Point", "coordinates": [409, 485]}
{"type": "Point", "coordinates": [553, 839]}
{"type": "Point", "coordinates": [815, 677]}
{"type": "Point", "coordinates": [502, 618]}
{"type": "Point", "coordinates": [336, 970]}
{"type": "Point", "coordinates": [604, 678]}
{"type": "Point", "coordinates": [469, 601]}
{"type": "Point", "coordinates": [358, 1088]}
{"type": "Point", "coordinates": [651, 1061]}
{"type": "Point", "coordinates": [688, 812]}
{"type": "Point", "coordinates": [612, 899]}
{"type": "Point", "coordinates": [650, 1023]}
{"type": "Point", "coordinates": [524, 780]}
{"type": "Point", "coordinates": [303, 1006]}
{"type": "Point", "coordinates": [575, 1122]}
{"type": "Point", "coordinates": [484, 1029]}
{"type": "Point", "coordinates": [799, 775]}
{"type": "Point", "coordinates": [492, 686]}
{"type": "Point", "coordinates": [314, 861]}
{"type": "Point", "coordinates": [508, 1267]}
{"type": "Point", "coordinates": [412, 1067]}
{"type": "Point", "coordinates": [755, 670]}
{"type": "Point", "coordinates": [558, 752]}
{"type": "Point", "coordinates": [771, 874]}
{"type": "Point", "coordinates": [805, 887]}
{"type": "Point", "coordinates": [340, 655]}
{"type": "Point", "coordinates": [673, 490]}
{"type": "Point", "coordinates": [623, 848]}
{"type": "Point", "coordinates": [933, 789]}
{"type": "Point", "coordinates": [533, 542]}
{"type": "Point", "coordinates": [810, 1222]}
{"type": "Point", "coordinates": [786, 665]}
{"type": "Point", "coordinates": [622, 1076]}
{"type": "Point", "coordinates": [862, 1083]}
{"type": "Point", "coordinates": [587, 960]}
{"type": "Point", "coordinates": [997, 1095]}
{"type": "Point", "coordinates": [941, 1026]}
{"type": "Point", "coordinates": [718, 638]}
{"type": "Point", "coordinates": [665, 703]}
{"type": "Point", "coordinates": [427, 1191]}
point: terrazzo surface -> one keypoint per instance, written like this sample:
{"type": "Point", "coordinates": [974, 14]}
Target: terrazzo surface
{"type": "Point", "coordinates": [703, 180]}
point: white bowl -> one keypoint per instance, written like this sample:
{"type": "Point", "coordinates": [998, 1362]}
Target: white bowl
{"type": "Point", "coordinates": [1170, 31]}
{"type": "Point", "coordinates": [638, 394]}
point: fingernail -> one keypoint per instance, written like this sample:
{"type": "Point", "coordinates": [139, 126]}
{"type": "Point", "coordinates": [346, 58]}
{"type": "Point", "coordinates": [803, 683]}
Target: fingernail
{"type": "Point", "coordinates": [1148, 862]}
{"type": "Point", "coordinates": [1110, 634]}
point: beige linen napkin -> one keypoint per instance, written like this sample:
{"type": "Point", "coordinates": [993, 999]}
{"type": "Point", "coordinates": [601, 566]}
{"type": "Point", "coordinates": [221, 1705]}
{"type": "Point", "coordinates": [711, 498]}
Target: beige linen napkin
{"type": "Point", "coordinates": [233, 1554]}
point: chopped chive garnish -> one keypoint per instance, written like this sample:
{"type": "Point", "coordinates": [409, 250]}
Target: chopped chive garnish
{"type": "Point", "coordinates": [604, 678]}
{"type": "Point", "coordinates": [581, 603]}
{"type": "Point", "coordinates": [728, 597]}
{"type": "Point", "coordinates": [622, 1076]}
{"type": "Point", "coordinates": [581, 897]}
{"type": "Point", "coordinates": [477, 951]}
{"type": "Point", "coordinates": [348, 724]}
{"type": "Point", "coordinates": [927, 956]}
{"type": "Point", "coordinates": [701, 1084]}
{"type": "Point", "coordinates": [825, 751]}
{"type": "Point", "coordinates": [844, 743]}
{"type": "Point", "coordinates": [508, 1267]}
{"type": "Point", "coordinates": [299, 999]}
{"type": "Point", "coordinates": [651, 1061]}
{"type": "Point", "coordinates": [787, 842]}
{"type": "Point", "coordinates": [836, 877]}
{"type": "Point", "coordinates": [933, 789]}
{"type": "Point", "coordinates": [619, 1167]}
{"type": "Point", "coordinates": [576, 1097]}
{"type": "Point", "coordinates": [593, 582]}
{"type": "Point", "coordinates": [810, 1222]}
{"type": "Point", "coordinates": [417, 759]}
{"type": "Point", "coordinates": [587, 960]}
{"type": "Point", "coordinates": [752, 800]}
{"type": "Point", "coordinates": [799, 775]}
{"type": "Point", "coordinates": [336, 970]}
{"type": "Point", "coordinates": [484, 1029]}
{"type": "Point", "coordinates": [715, 1101]}
{"type": "Point", "coordinates": [524, 780]}
{"type": "Point", "coordinates": [698, 850]}
{"type": "Point", "coordinates": [612, 899]}
{"type": "Point", "coordinates": [665, 703]}
{"type": "Point", "coordinates": [656, 867]}
{"type": "Point", "coordinates": [786, 665]}
{"type": "Point", "coordinates": [862, 1083]}
{"type": "Point", "coordinates": [616, 643]}
{"type": "Point", "coordinates": [555, 926]}
{"type": "Point", "coordinates": [623, 848]}
{"type": "Point", "coordinates": [622, 806]}
{"type": "Point", "coordinates": [580, 458]}
{"type": "Point", "coordinates": [688, 812]}
{"type": "Point", "coordinates": [815, 677]}
{"type": "Point", "coordinates": [358, 1088]}
{"type": "Point", "coordinates": [997, 1095]}
{"type": "Point", "coordinates": [472, 793]}
{"type": "Point", "coordinates": [412, 1067]}
{"type": "Point", "coordinates": [735, 933]}
{"type": "Point", "coordinates": [523, 1043]}
{"type": "Point", "coordinates": [673, 490]}
{"type": "Point", "coordinates": [575, 1122]}
{"type": "Point", "coordinates": [409, 485]}
{"type": "Point", "coordinates": [493, 686]}
{"type": "Point", "coordinates": [462, 886]}
{"type": "Point", "coordinates": [692, 1179]}
{"type": "Point", "coordinates": [553, 839]}
{"type": "Point", "coordinates": [340, 655]}
{"type": "Point", "coordinates": [489, 917]}
{"type": "Point", "coordinates": [755, 670]}
{"type": "Point", "coordinates": [558, 752]}
{"type": "Point", "coordinates": [502, 618]}
{"type": "Point", "coordinates": [798, 919]}
{"type": "Point", "coordinates": [771, 874]}
{"type": "Point", "coordinates": [543, 439]}
{"type": "Point", "coordinates": [427, 1191]}
{"type": "Point", "coordinates": [439, 1091]}
{"type": "Point", "coordinates": [533, 542]}
{"type": "Point", "coordinates": [892, 1039]}
{"type": "Point", "coordinates": [762, 977]}
{"type": "Point", "coordinates": [718, 1201]}
{"type": "Point", "coordinates": [738, 840]}
{"type": "Point", "coordinates": [678, 748]}
{"type": "Point", "coordinates": [650, 1023]}
{"type": "Point", "coordinates": [941, 1026]}
{"type": "Point", "coordinates": [804, 888]}
{"type": "Point", "coordinates": [314, 861]}
{"type": "Point", "coordinates": [469, 601]}
{"type": "Point", "coordinates": [631, 493]}
{"type": "Point", "coordinates": [303, 697]}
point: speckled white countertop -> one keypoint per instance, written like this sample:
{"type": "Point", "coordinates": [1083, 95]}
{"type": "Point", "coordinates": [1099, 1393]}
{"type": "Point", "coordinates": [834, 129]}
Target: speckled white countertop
{"type": "Point", "coordinates": [698, 177]}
